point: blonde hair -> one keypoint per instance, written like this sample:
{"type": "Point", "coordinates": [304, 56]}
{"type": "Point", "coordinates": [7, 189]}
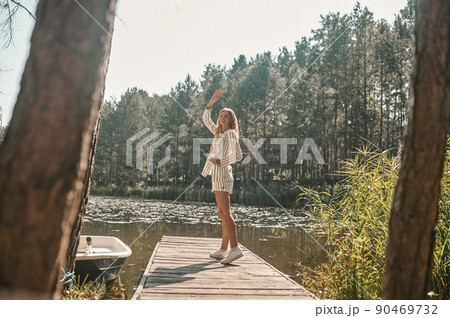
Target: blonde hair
{"type": "Point", "coordinates": [233, 122]}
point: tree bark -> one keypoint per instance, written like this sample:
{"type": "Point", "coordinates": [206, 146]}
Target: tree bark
{"type": "Point", "coordinates": [414, 212]}
{"type": "Point", "coordinates": [74, 238]}
{"type": "Point", "coordinates": [45, 155]}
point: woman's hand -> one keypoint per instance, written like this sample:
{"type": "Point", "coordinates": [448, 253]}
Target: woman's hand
{"type": "Point", "coordinates": [214, 98]}
{"type": "Point", "coordinates": [215, 161]}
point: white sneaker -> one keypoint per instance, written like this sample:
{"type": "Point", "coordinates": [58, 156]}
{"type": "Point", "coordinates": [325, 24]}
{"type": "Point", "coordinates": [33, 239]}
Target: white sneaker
{"type": "Point", "coordinates": [232, 255]}
{"type": "Point", "coordinates": [220, 253]}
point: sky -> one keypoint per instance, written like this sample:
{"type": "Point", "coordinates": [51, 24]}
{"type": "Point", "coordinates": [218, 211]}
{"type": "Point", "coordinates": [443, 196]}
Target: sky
{"type": "Point", "coordinates": [157, 43]}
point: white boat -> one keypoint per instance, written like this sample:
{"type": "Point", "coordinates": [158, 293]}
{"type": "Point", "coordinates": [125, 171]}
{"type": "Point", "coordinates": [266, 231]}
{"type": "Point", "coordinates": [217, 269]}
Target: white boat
{"type": "Point", "coordinates": [100, 256]}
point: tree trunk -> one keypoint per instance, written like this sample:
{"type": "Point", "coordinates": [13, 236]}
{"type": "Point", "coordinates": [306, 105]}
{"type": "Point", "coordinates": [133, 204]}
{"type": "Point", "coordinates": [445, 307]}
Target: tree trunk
{"type": "Point", "coordinates": [79, 221]}
{"type": "Point", "coordinates": [44, 158]}
{"type": "Point", "coordinates": [414, 212]}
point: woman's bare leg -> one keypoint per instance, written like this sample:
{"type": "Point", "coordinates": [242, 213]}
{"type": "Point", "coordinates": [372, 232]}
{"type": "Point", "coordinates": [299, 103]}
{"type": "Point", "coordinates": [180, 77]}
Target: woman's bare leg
{"type": "Point", "coordinates": [225, 237]}
{"type": "Point", "coordinates": [228, 224]}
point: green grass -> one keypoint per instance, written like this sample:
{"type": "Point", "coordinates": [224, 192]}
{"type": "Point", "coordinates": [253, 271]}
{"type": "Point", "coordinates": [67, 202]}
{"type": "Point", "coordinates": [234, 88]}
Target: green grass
{"type": "Point", "coordinates": [354, 221]}
{"type": "Point", "coordinates": [87, 290]}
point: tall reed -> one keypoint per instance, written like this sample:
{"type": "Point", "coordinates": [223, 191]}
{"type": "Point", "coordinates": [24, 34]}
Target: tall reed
{"type": "Point", "coordinates": [354, 220]}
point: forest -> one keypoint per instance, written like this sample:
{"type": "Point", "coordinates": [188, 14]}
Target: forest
{"type": "Point", "coordinates": [344, 86]}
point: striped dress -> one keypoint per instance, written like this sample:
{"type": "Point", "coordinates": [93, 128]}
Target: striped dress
{"type": "Point", "coordinates": [226, 148]}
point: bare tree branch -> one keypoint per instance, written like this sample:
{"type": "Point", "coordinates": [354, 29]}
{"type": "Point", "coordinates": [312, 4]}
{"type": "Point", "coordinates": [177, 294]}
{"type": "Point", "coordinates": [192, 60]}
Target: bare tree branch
{"type": "Point", "coordinates": [7, 23]}
{"type": "Point", "coordinates": [25, 8]}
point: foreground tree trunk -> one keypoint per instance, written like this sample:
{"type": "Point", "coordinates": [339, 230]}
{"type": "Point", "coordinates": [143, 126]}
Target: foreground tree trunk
{"type": "Point", "coordinates": [414, 212]}
{"type": "Point", "coordinates": [44, 157]}
{"type": "Point", "coordinates": [74, 238]}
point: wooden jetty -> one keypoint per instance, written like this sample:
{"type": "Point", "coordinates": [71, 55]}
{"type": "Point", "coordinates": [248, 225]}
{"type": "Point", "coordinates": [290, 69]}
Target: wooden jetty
{"type": "Point", "coordinates": [180, 268]}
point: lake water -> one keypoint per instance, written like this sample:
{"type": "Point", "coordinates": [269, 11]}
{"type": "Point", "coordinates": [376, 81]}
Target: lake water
{"type": "Point", "coordinates": [270, 232]}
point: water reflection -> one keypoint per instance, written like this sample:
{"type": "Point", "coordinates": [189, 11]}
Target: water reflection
{"type": "Point", "coordinates": [282, 242]}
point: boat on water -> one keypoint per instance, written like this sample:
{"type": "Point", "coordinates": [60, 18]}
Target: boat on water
{"type": "Point", "coordinates": [100, 256]}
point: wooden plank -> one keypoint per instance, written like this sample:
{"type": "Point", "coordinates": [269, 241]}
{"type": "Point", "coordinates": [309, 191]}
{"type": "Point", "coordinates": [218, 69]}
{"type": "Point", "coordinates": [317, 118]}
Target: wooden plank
{"type": "Point", "coordinates": [180, 268]}
{"type": "Point", "coordinates": [200, 267]}
{"type": "Point", "coordinates": [224, 291]}
{"type": "Point", "coordinates": [217, 274]}
{"type": "Point", "coordinates": [217, 266]}
{"type": "Point", "coordinates": [214, 275]}
{"type": "Point", "coordinates": [144, 276]}
{"type": "Point", "coordinates": [216, 297]}
{"type": "Point", "coordinates": [190, 260]}
{"type": "Point", "coordinates": [188, 239]}
{"type": "Point", "coordinates": [192, 282]}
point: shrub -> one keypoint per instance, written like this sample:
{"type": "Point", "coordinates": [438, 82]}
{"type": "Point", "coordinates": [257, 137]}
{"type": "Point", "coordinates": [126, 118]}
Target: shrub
{"type": "Point", "coordinates": [355, 219]}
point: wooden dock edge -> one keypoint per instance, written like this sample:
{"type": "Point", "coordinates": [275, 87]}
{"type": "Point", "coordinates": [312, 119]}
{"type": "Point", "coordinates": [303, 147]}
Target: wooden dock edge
{"type": "Point", "coordinates": [282, 274]}
{"type": "Point", "coordinates": [140, 287]}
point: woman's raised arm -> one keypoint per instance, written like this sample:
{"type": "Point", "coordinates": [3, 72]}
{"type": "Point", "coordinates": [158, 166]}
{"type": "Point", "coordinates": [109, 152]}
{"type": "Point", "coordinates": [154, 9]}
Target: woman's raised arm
{"type": "Point", "coordinates": [214, 98]}
{"type": "Point", "coordinates": [207, 120]}
{"type": "Point", "coordinates": [207, 113]}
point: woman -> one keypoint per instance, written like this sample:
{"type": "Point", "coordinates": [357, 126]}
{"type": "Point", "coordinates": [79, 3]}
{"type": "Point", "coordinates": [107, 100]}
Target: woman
{"type": "Point", "coordinates": [225, 150]}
